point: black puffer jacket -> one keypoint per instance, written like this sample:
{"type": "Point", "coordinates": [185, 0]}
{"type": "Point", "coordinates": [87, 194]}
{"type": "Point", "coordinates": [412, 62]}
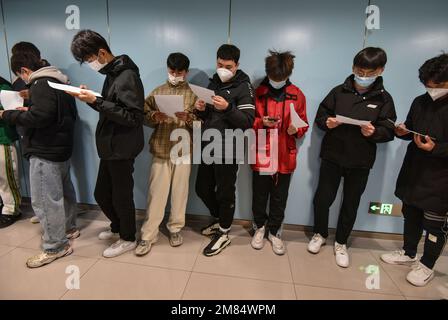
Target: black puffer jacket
{"type": "Point", "coordinates": [240, 114]}
{"type": "Point", "coordinates": [345, 145]}
{"type": "Point", "coordinates": [50, 121]}
{"type": "Point", "coordinates": [119, 133]}
{"type": "Point", "coordinates": [423, 179]}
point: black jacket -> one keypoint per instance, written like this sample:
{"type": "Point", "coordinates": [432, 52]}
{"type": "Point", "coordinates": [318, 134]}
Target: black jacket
{"type": "Point", "coordinates": [345, 145]}
{"type": "Point", "coordinates": [423, 179]}
{"type": "Point", "coordinates": [49, 123]}
{"type": "Point", "coordinates": [119, 133]}
{"type": "Point", "coordinates": [241, 111]}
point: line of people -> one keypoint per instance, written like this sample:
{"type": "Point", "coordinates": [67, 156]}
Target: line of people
{"type": "Point", "coordinates": [47, 128]}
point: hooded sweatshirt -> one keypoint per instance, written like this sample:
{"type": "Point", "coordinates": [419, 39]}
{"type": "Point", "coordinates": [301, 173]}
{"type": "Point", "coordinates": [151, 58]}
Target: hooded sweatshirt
{"type": "Point", "coordinates": [240, 113]}
{"type": "Point", "coordinates": [119, 133]}
{"type": "Point", "coordinates": [50, 121]}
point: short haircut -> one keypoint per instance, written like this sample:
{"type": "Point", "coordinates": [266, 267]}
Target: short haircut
{"type": "Point", "coordinates": [228, 52]}
{"type": "Point", "coordinates": [178, 61]}
{"type": "Point", "coordinates": [25, 47]}
{"type": "Point", "coordinates": [370, 58]}
{"type": "Point", "coordinates": [435, 69]}
{"type": "Point", "coordinates": [25, 60]}
{"type": "Point", "coordinates": [87, 43]}
{"type": "Point", "coordinates": [279, 65]}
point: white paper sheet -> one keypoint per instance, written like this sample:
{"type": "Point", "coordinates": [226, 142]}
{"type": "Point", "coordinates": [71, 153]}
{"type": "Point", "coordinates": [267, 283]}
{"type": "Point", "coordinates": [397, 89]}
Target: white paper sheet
{"type": "Point", "coordinates": [203, 93]}
{"type": "Point", "coordinates": [410, 131]}
{"type": "Point", "coordinates": [68, 88]}
{"type": "Point", "coordinates": [354, 122]}
{"type": "Point", "coordinates": [10, 100]}
{"type": "Point", "coordinates": [170, 104]}
{"type": "Point", "coordinates": [296, 121]}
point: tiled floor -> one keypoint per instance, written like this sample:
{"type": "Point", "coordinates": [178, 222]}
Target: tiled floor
{"type": "Point", "coordinates": [184, 273]}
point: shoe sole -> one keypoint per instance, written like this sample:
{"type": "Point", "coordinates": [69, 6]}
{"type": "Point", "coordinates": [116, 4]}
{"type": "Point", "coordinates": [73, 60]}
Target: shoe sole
{"type": "Point", "coordinates": [227, 243]}
{"type": "Point", "coordinates": [142, 254]}
{"type": "Point", "coordinates": [409, 263]}
{"type": "Point", "coordinates": [257, 248]}
{"type": "Point", "coordinates": [117, 255]}
{"type": "Point", "coordinates": [69, 252]}
{"type": "Point", "coordinates": [323, 245]}
{"type": "Point", "coordinates": [176, 244]}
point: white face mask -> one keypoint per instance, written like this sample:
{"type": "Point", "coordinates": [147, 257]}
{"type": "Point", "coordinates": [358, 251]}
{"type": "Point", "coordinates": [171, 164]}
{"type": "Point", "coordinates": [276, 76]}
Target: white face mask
{"type": "Point", "coordinates": [277, 85]}
{"type": "Point", "coordinates": [437, 93]}
{"type": "Point", "coordinates": [96, 65]}
{"type": "Point", "coordinates": [175, 80]}
{"type": "Point", "coordinates": [224, 74]}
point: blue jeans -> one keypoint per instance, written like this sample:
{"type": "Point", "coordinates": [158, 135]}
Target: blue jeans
{"type": "Point", "coordinates": [53, 199]}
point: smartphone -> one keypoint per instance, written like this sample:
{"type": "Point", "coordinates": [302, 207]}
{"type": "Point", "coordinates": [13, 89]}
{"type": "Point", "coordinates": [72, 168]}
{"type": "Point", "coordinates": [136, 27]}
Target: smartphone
{"type": "Point", "coordinates": [273, 119]}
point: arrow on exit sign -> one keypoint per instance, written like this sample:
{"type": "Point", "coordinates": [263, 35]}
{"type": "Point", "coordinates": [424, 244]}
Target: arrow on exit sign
{"type": "Point", "coordinates": [385, 209]}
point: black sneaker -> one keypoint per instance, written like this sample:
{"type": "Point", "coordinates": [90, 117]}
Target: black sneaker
{"type": "Point", "coordinates": [8, 219]}
{"type": "Point", "coordinates": [210, 229]}
{"type": "Point", "coordinates": [219, 242]}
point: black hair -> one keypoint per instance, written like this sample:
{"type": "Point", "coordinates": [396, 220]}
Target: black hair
{"type": "Point", "coordinates": [228, 52]}
{"type": "Point", "coordinates": [370, 58]}
{"type": "Point", "coordinates": [25, 60]}
{"type": "Point", "coordinates": [25, 47]}
{"type": "Point", "coordinates": [279, 65]}
{"type": "Point", "coordinates": [87, 43]}
{"type": "Point", "coordinates": [178, 61]}
{"type": "Point", "coordinates": [435, 69]}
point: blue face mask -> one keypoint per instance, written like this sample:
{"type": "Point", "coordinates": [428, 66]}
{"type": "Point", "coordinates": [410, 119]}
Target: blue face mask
{"type": "Point", "coordinates": [365, 82]}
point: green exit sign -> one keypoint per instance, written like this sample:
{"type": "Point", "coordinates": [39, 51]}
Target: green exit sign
{"type": "Point", "coordinates": [385, 209]}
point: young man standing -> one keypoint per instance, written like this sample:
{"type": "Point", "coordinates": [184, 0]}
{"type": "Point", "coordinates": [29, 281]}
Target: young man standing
{"type": "Point", "coordinates": [10, 197]}
{"type": "Point", "coordinates": [274, 98]}
{"type": "Point", "coordinates": [423, 181]}
{"type": "Point", "coordinates": [119, 135]}
{"type": "Point", "coordinates": [233, 108]}
{"type": "Point", "coordinates": [348, 151]}
{"type": "Point", "coordinates": [167, 173]}
{"type": "Point", "coordinates": [48, 144]}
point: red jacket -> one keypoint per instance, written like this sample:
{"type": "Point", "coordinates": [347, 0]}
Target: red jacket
{"type": "Point", "coordinates": [276, 104]}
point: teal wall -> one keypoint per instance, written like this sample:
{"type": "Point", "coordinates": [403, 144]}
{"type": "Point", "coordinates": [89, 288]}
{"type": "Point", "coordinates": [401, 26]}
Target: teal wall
{"type": "Point", "coordinates": [323, 34]}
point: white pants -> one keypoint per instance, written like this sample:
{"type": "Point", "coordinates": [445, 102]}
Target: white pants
{"type": "Point", "coordinates": [9, 180]}
{"type": "Point", "coordinates": [165, 176]}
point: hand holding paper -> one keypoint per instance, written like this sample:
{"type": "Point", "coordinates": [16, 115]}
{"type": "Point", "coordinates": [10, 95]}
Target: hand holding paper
{"type": "Point", "coordinates": [71, 89]}
{"type": "Point", "coordinates": [10, 100]}
{"type": "Point", "coordinates": [296, 121]}
{"type": "Point", "coordinates": [203, 93]}
{"type": "Point", "coordinates": [355, 122]}
{"type": "Point", "coordinates": [170, 104]}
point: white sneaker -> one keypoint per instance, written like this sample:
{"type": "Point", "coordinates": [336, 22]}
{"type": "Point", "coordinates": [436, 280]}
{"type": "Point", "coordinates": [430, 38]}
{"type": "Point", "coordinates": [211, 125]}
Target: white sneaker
{"type": "Point", "coordinates": [258, 239]}
{"type": "Point", "coordinates": [420, 275]}
{"type": "Point", "coordinates": [118, 248]}
{"type": "Point", "coordinates": [341, 253]}
{"type": "Point", "coordinates": [316, 243]}
{"type": "Point", "coordinates": [107, 235]}
{"type": "Point", "coordinates": [277, 245]}
{"type": "Point", "coordinates": [398, 257]}
{"type": "Point", "coordinates": [34, 220]}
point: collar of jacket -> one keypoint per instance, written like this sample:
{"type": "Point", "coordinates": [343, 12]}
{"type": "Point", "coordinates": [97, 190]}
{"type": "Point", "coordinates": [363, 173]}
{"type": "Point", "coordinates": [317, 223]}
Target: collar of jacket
{"type": "Point", "coordinates": [239, 78]}
{"type": "Point", "coordinates": [376, 89]}
{"type": "Point", "coordinates": [180, 85]}
{"type": "Point", "coordinates": [119, 64]}
{"type": "Point", "coordinates": [276, 94]}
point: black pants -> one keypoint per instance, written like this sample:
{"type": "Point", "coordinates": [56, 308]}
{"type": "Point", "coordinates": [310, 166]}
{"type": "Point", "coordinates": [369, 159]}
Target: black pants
{"type": "Point", "coordinates": [355, 182]}
{"type": "Point", "coordinates": [215, 185]}
{"type": "Point", "coordinates": [275, 189]}
{"type": "Point", "coordinates": [114, 193]}
{"type": "Point", "coordinates": [415, 221]}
